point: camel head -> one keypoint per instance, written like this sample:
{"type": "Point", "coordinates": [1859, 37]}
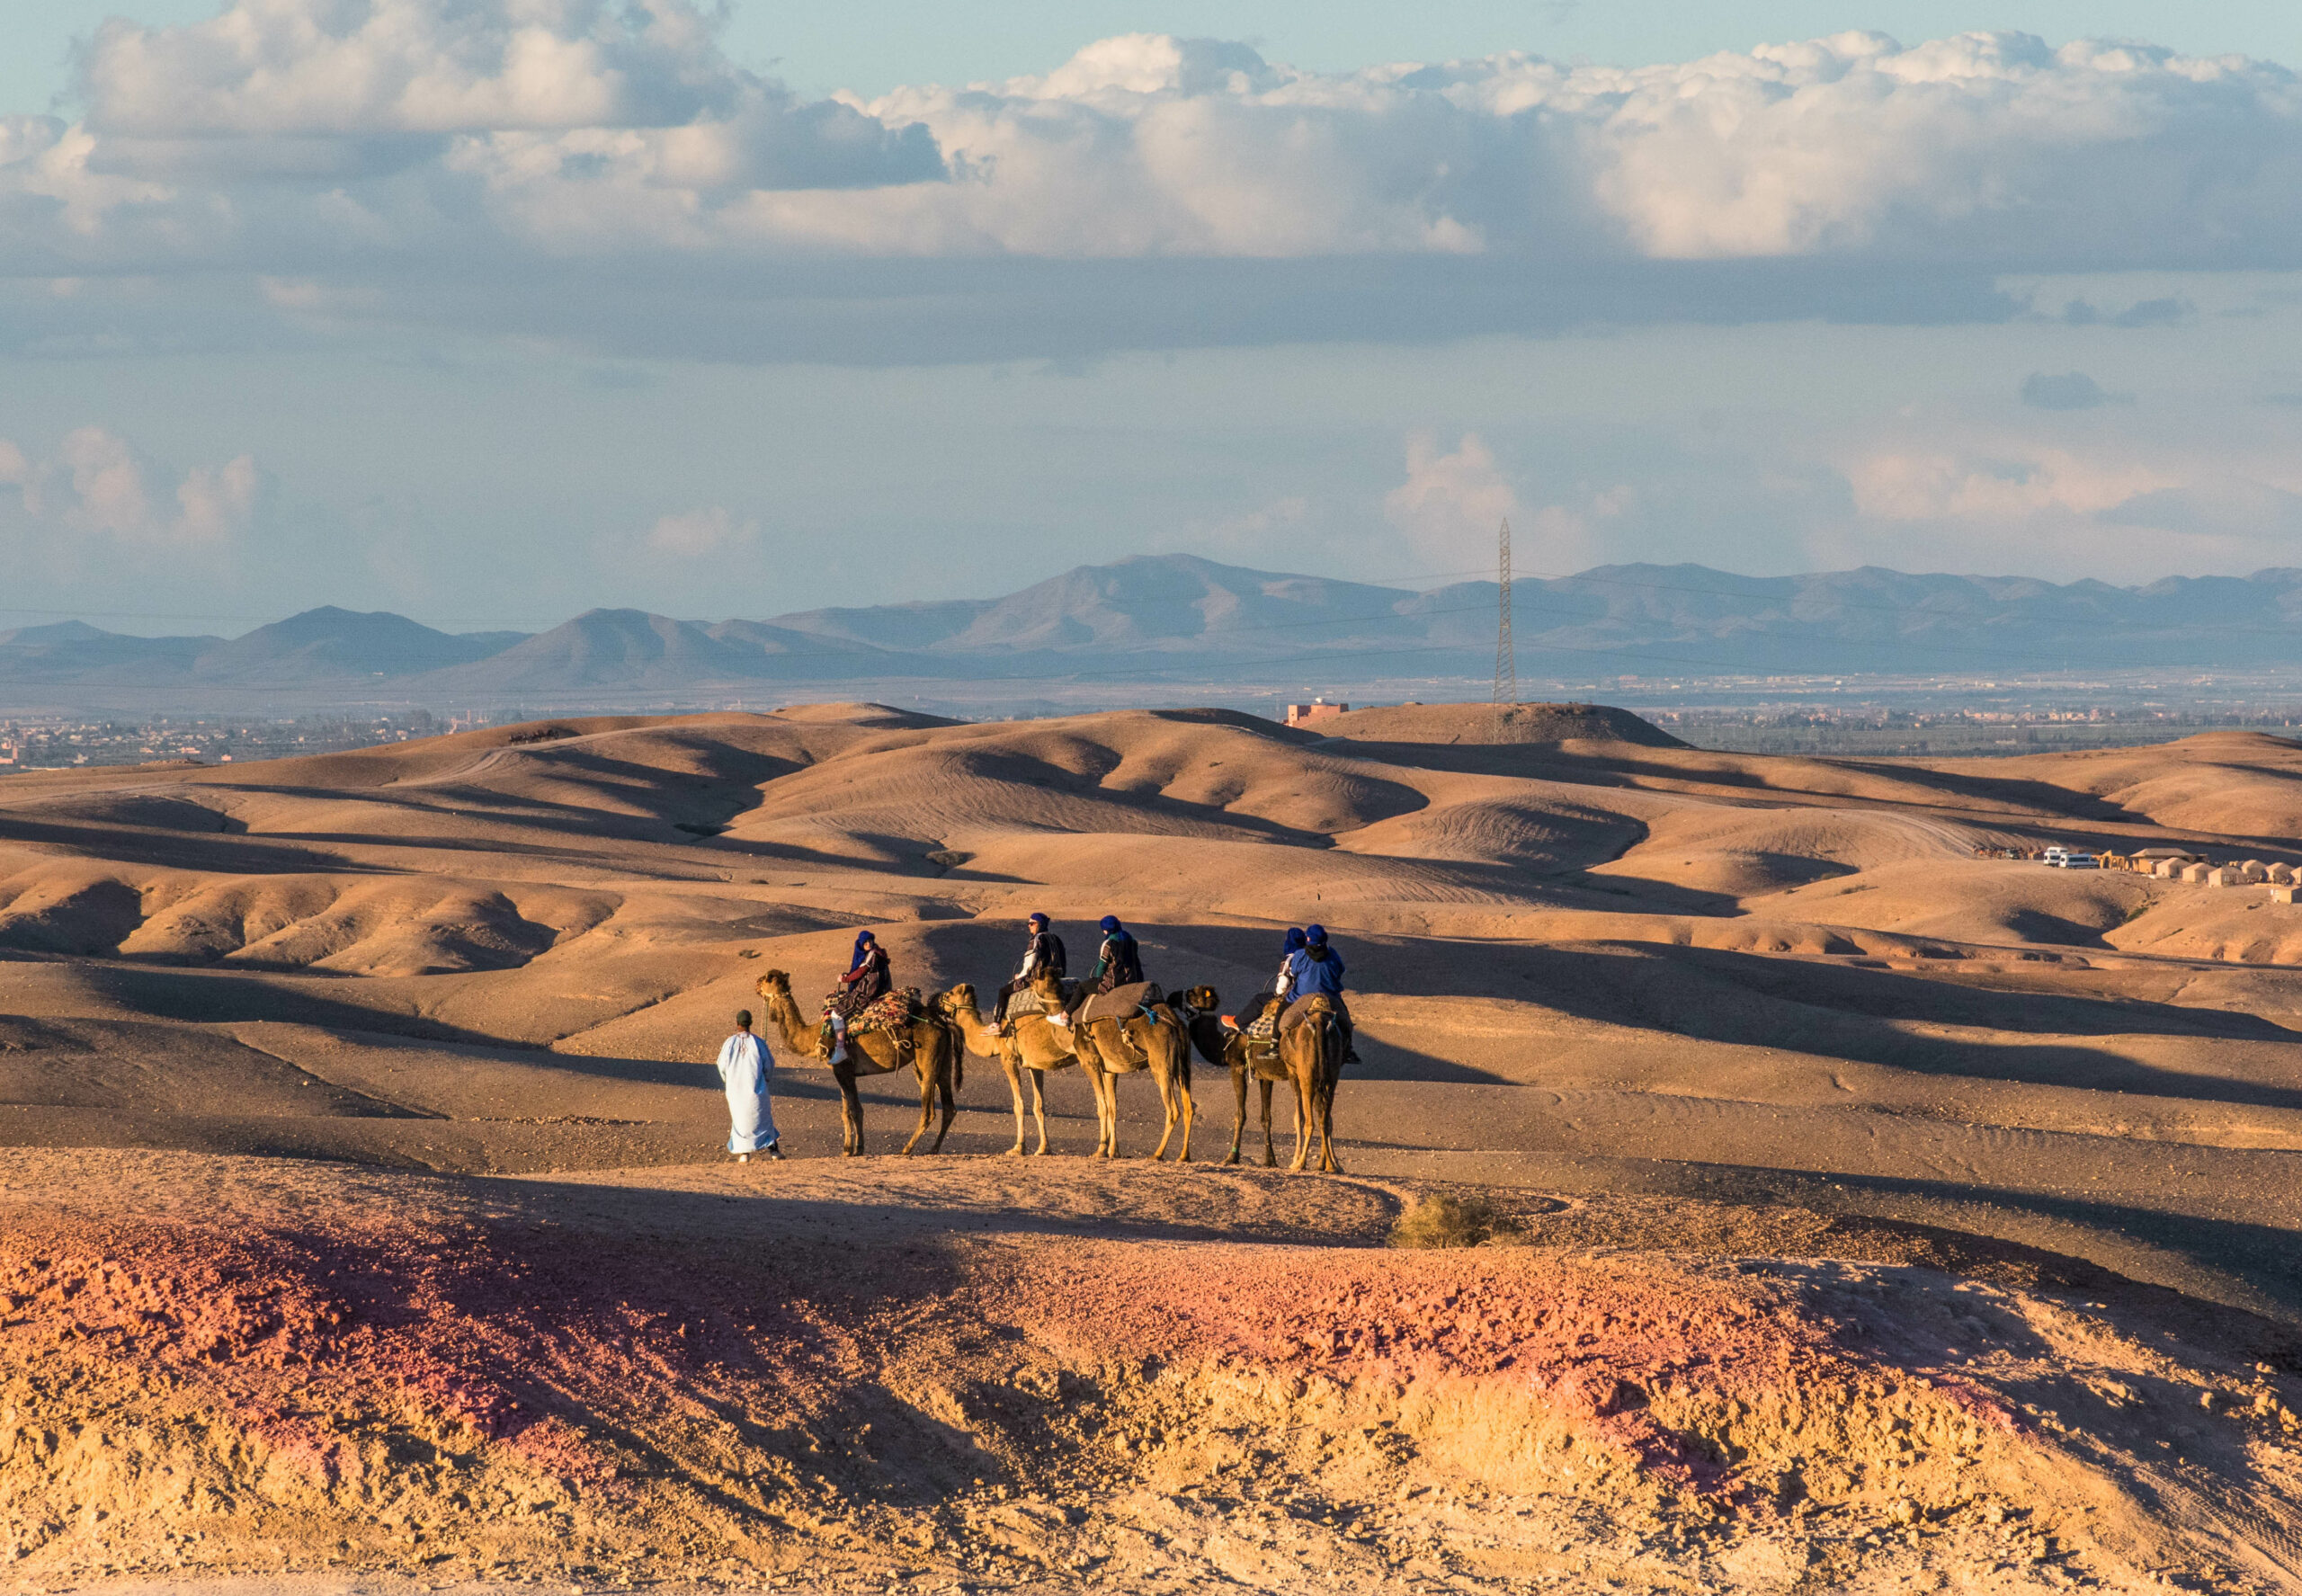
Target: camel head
{"type": "Point", "coordinates": [961, 996]}
{"type": "Point", "coordinates": [774, 983]}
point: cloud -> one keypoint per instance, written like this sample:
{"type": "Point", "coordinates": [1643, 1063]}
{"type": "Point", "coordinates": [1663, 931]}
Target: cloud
{"type": "Point", "coordinates": [97, 486]}
{"type": "Point", "coordinates": [2002, 488]}
{"type": "Point", "coordinates": [1452, 505]}
{"type": "Point", "coordinates": [479, 162]}
{"type": "Point", "coordinates": [699, 534]}
{"type": "Point", "coordinates": [2069, 390]}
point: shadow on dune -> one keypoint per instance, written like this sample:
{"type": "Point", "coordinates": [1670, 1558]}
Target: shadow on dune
{"type": "Point", "coordinates": [212, 996]}
{"type": "Point", "coordinates": [2262, 1256]}
{"type": "Point", "coordinates": [223, 853]}
{"type": "Point", "coordinates": [1853, 1013]}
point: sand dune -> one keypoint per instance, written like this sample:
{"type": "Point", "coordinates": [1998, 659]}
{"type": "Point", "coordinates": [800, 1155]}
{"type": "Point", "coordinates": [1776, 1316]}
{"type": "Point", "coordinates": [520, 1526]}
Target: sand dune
{"type": "Point", "coordinates": [1676, 1008]}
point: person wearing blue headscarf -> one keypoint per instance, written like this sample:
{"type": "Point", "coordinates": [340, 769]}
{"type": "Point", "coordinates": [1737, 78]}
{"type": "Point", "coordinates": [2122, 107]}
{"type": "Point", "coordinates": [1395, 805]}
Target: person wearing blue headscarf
{"type": "Point", "coordinates": [868, 980]}
{"type": "Point", "coordinates": [1117, 962]}
{"type": "Point", "coordinates": [1042, 955]}
{"type": "Point", "coordinates": [1317, 967]}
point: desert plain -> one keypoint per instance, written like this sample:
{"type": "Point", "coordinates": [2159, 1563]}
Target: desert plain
{"type": "Point", "coordinates": [1869, 1215]}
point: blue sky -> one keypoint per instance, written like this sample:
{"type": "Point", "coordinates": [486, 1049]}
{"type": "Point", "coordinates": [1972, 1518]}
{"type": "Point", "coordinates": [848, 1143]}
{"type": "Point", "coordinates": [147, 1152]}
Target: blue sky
{"type": "Point", "coordinates": [490, 312]}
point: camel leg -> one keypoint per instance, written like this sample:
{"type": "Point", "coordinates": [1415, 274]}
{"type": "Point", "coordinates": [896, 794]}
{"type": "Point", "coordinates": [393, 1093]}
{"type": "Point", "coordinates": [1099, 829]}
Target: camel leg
{"type": "Point", "coordinates": [951, 1102]}
{"type": "Point", "coordinates": [1038, 1110]}
{"type": "Point", "coordinates": [1166, 1085]}
{"type": "Point", "coordinates": [1182, 1091]}
{"type": "Point", "coordinates": [926, 1071]}
{"type": "Point", "coordinates": [1107, 1113]}
{"type": "Point", "coordinates": [1303, 1092]}
{"type": "Point", "coordinates": [1239, 1124]}
{"type": "Point", "coordinates": [851, 1115]}
{"type": "Point", "coordinates": [1015, 1091]}
{"type": "Point", "coordinates": [1269, 1148]}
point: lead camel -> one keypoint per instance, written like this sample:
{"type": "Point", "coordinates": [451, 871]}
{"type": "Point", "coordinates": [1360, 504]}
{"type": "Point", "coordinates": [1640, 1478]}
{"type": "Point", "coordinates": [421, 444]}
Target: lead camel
{"type": "Point", "coordinates": [937, 1057]}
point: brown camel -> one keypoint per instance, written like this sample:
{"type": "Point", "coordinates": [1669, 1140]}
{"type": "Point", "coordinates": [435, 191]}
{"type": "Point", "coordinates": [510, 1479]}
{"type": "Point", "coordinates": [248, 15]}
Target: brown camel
{"type": "Point", "coordinates": [1201, 1013]}
{"type": "Point", "coordinates": [1035, 1046]}
{"type": "Point", "coordinates": [1312, 1052]}
{"type": "Point", "coordinates": [937, 1057]}
{"type": "Point", "coordinates": [1109, 1049]}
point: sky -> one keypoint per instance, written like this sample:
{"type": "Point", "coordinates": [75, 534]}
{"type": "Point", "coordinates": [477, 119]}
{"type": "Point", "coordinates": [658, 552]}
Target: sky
{"type": "Point", "coordinates": [490, 311]}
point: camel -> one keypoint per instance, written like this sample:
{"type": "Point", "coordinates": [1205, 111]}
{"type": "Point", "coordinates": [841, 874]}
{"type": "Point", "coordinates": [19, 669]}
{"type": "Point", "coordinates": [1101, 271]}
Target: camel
{"type": "Point", "coordinates": [1035, 1046]}
{"type": "Point", "coordinates": [1201, 1013]}
{"type": "Point", "coordinates": [1312, 1054]}
{"type": "Point", "coordinates": [937, 1057]}
{"type": "Point", "coordinates": [1109, 1049]}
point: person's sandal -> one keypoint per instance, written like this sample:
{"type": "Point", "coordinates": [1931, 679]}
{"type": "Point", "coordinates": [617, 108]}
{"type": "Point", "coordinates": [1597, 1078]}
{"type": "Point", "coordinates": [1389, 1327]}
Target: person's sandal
{"type": "Point", "coordinates": [775, 1150]}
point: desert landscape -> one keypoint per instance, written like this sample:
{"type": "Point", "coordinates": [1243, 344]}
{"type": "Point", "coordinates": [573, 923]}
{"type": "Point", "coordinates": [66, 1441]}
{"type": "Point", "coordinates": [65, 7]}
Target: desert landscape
{"type": "Point", "coordinates": [1853, 1212]}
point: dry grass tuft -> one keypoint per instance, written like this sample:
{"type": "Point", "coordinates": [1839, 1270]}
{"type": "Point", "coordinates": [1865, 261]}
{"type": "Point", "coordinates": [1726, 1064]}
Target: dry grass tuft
{"type": "Point", "coordinates": [1439, 1220]}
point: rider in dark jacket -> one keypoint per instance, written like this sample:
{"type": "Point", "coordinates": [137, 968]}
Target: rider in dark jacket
{"type": "Point", "coordinates": [1280, 992]}
{"type": "Point", "coordinates": [1117, 962]}
{"type": "Point", "coordinates": [1042, 955]}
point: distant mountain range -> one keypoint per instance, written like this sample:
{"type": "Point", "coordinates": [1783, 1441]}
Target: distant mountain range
{"type": "Point", "coordinates": [1189, 619]}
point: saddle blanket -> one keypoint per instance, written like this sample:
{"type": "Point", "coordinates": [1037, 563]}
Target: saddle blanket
{"type": "Point", "coordinates": [1121, 1003]}
{"type": "Point", "coordinates": [1027, 1000]}
{"type": "Point", "coordinates": [892, 1012]}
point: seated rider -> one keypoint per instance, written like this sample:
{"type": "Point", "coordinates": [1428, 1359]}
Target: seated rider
{"type": "Point", "coordinates": [1318, 968]}
{"type": "Point", "coordinates": [868, 980]}
{"type": "Point", "coordinates": [1282, 991]}
{"type": "Point", "coordinates": [1042, 955]}
{"type": "Point", "coordinates": [1117, 962]}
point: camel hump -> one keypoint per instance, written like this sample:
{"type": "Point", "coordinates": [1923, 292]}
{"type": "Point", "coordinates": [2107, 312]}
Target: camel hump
{"type": "Point", "coordinates": [1303, 1008]}
{"type": "Point", "coordinates": [1121, 1003]}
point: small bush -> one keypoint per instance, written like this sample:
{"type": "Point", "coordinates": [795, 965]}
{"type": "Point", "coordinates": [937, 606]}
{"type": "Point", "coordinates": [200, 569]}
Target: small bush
{"type": "Point", "coordinates": [1439, 1220]}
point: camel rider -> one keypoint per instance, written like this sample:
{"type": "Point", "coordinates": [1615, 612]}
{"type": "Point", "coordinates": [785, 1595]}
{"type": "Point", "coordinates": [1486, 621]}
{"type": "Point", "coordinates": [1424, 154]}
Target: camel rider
{"type": "Point", "coordinates": [1116, 963]}
{"type": "Point", "coordinates": [1317, 967]}
{"type": "Point", "coordinates": [1281, 992]}
{"type": "Point", "coordinates": [867, 981]}
{"type": "Point", "coordinates": [1042, 955]}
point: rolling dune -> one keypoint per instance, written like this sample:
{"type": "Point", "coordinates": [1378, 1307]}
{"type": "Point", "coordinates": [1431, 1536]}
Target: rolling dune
{"type": "Point", "coordinates": [1886, 1215]}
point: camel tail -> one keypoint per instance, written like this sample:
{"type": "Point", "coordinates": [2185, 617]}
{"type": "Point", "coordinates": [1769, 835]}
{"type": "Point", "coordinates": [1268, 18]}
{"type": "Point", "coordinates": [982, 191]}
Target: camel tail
{"type": "Point", "coordinates": [958, 1040]}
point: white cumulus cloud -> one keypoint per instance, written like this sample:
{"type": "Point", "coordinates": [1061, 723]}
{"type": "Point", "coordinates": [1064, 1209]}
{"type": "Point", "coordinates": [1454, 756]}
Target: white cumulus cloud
{"type": "Point", "coordinates": [698, 534]}
{"type": "Point", "coordinates": [403, 141]}
{"type": "Point", "coordinates": [96, 484]}
{"type": "Point", "coordinates": [1452, 505]}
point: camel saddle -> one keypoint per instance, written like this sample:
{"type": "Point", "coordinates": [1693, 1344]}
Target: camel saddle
{"type": "Point", "coordinates": [1121, 1003]}
{"type": "Point", "coordinates": [1027, 1000]}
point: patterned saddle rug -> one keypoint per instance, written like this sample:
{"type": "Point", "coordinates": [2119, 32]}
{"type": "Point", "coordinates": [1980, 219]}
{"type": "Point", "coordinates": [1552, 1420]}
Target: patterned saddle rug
{"type": "Point", "coordinates": [893, 1011]}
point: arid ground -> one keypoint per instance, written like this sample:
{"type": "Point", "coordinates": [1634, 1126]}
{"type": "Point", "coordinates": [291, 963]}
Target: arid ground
{"type": "Point", "coordinates": [1888, 1217]}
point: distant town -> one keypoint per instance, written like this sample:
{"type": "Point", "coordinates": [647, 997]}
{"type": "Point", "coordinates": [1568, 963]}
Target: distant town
{"type": "Point", "coordinates": [30, 743]}
{"type": "Point", "coordinates": [48, 745]}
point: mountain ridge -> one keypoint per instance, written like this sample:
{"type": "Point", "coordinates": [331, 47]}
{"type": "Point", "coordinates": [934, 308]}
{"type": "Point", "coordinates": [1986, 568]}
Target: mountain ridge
{"type": "Point", "coordinates": [1160, 614]}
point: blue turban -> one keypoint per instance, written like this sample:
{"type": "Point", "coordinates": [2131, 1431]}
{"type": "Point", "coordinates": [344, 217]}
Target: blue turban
{"type": "Point", "coordinates": [1294, 939]}
{"type": "Point", "coordinates": [1110, 924]}
{"type": "Point", "coordinates": [1038, 920]}
{"type": "Point", "coordinates": [1316, 935]}
{"type": "Point", "coordinates": [863, 941]}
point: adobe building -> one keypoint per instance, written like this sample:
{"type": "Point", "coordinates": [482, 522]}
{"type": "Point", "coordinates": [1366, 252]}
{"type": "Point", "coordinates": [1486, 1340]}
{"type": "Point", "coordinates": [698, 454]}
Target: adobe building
{"type": "Point", "coordinates": [1316, 711]}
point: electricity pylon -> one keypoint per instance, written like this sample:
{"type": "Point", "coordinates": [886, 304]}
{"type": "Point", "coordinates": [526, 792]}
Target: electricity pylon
{"type": "Point", "coordinates": [1506, 656]}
